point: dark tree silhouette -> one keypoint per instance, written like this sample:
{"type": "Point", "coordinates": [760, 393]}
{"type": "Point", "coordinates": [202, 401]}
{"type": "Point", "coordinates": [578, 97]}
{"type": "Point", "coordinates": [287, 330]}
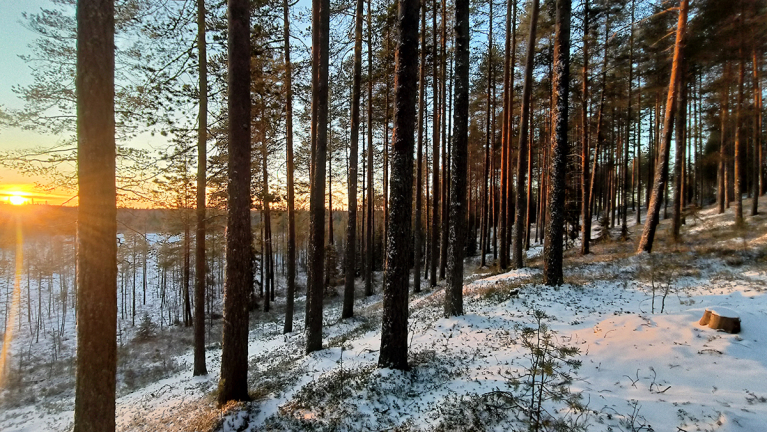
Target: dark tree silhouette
{"type": "Point", "coordinates": [97, 219]}
{"type": "Point", "coordinates": [394, 325]}
{"type": "Point", "coordinates": [233, 384]}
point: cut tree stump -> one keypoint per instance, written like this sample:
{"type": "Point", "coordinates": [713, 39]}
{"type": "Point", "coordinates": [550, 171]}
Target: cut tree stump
{"type": "Point", "coordinates": [721, 318]}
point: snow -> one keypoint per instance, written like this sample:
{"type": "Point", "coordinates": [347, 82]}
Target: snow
{"type": "Point", "coordinates": [642, 369]}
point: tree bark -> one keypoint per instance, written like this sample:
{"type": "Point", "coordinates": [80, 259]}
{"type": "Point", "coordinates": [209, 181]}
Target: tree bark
{"type": "Point", "coordinates": [393, 352]}
{"type": "Point", "coordinates": [371, 186]}
{"type": "Point", "coordinates": [552, 261]}
{"type": "Point", "coordinates": [585, 144]}
{"type": "Point", "coordinates": [233, 384]}
{"type": "Point", "coordinates": [739, 142]}
{"type": "Point", "coordinates": [97, 219]}
{"type": "Point", "coordinates": [419, 162]}
{"type": "Point", "coordinates": [661, 172]}
{"type": "Point", "coordinates": [351, 227]}
{"type": "Point", "coordinates": [315, 280]}
{"type": "Point", "coordinates": [503, 262]}
{"type": "Point", "coordinates": [435, 202]}
{"type": "Point", "coordinates": [291, 258]}
{"type": "Point", "coordinates": [678, 204]}
{"type": "Point", "coordinates": [200, 269]}
{"type": "Point", "coordinates": [458, 164]}
{"type": "Point", "coordinates": [521, 204]}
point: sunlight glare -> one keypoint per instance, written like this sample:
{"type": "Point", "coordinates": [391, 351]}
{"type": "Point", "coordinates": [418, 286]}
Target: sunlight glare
{"type": "Point", "coordinates": [17, 200]}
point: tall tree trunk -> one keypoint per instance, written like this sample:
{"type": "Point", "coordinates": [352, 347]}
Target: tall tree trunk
{"type": "Point", "coordinates": [676, 222]}
{"type": "Point", "coordinates": [371, 186]}
{"type": "Point", "coordinates": [739, 141]}
{"type": "Point", "coordinates": [757, 132]}
{"type": "Point", "coordinates": [233, 384]}
{"type": "Point", "coordinates": [351, 227]}
{"type": "Point", "coordinates": [435, 202]}
{"type": "Point", "coordinates": [585, 144]}
{"type": "Point", "coordinates": [200, 270]}
{"type": "Point", "coordinates": [291, 258]}
{"type": "Point", "coordinates": [393, 352]}
{"type": "Point", "coordinates": [419, 161]}
{"type": "Point", "coordinates": [97, 219]}
{"type": "Point", "coordinates": [505, 141]}
{"type": "Point", "coordinates": [445, 162]}
{"type": "Point", "coordinates": [521, 204]}
{"type": "Point", "coordinates": [624, 220]}
{"type": "Point", "coordinates": [485, 230]}
{"type": "Point", "coordinates": [552, 253]}
{"type": "Point", "coordinates": [510, 202]}
{"type": "Point", "coordinates": [315, 279]}
{"type": "Point", "coordinates": [661, 174]}
{"type": "Point", "coordinates": [458, 164]}
{"type": "Point", "coordinates": [724, 113]}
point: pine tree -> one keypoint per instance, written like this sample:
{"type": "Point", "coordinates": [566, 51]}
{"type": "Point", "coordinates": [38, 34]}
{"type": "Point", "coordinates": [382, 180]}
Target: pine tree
{"type": "Point", "coordinates": [233, 384]}
{"type": "Point", "coordinates": [97, 219]}
{"type": "Point", "coordinates": [393, 352]}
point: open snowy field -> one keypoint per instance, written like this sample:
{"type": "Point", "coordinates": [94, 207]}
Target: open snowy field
{"type": "Point", "coordinates": [642, 362]}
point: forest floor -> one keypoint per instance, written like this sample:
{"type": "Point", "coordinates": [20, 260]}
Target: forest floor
{"type": "Point", "coordinates": [642, 362]}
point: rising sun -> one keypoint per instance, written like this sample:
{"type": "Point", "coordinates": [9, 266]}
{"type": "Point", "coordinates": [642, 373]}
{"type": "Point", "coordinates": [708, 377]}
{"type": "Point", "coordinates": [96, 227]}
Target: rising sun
{"type": "Point", "coordinates": [17, 199]}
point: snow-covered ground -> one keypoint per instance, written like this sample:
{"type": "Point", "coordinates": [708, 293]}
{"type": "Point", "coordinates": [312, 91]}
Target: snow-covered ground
{"type": "Point", "coordinates": [646, 363]}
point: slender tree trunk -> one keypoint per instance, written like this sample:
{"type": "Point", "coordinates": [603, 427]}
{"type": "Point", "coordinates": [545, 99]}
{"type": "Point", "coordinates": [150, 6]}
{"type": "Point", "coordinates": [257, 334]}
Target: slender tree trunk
{"type": "Point", "coordinates": [521, 204]}
{"type": "Point", "coordinates": [351, 227]}
{"type": "Point", "coordinates": [505, 141]}
{"type": "Point", "coordinates": [97, 219]}
{"type": "Point", "coordinates": [445, 162]}
{"type": "Point", "coordinates": [291, 258]}
{"type": "Point", "coordinates": [485, 230]}
{"type": "Point", "coordinates": [739, 141]}
{"type": "Point", "coordinates": [435, 202]}
{"type": "Point", "coordinates": [585, 144]}
{"type": "Point", "coordinates": [393, 352]}
{"type": "Point", "coordinates": [199, 259]}
{"type": "Point", "coordinates": [552, 253]}
{"type": "Point", "coordinates": [458, 164]}
{"type": "Point", "coordinates": [678, 204]}
{"type": "Point", "coordinates": [419, 162]}
{"type": "Point", "coordinates": [320, 59]}
{"type": "Point", "coordinates": [371, 186]}
{"type": "Point", "coordinates": [661, 174]}
{"type": "Point", "coordinates": [757, 132]}
{"type": "Point", "coordinates": [724, 113]}
{"type": "Point", "coordinates": [624, 220]}
{"type": "Point", "coordinates": [510, 202]}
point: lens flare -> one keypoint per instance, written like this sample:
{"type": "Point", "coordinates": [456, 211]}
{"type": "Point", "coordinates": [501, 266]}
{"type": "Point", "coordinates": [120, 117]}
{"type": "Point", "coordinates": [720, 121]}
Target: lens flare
{"type": "Point", "coordinates": [15, 303]}
{"type": "Point", "coordinates": [17, 200]}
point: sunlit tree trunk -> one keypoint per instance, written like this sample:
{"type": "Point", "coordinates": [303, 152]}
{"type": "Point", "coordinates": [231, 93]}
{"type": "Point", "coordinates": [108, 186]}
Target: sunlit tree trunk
{"type": "Point", "coordinates": [291, 258]}
{"type": "Point", "coordinates": [521, 204]}
{"type": "Point", "coordinates": [200, 267]}
{"type": "Point", "coordinates": [661, 172]}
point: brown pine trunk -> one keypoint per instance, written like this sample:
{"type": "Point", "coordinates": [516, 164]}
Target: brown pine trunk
{"type": "Point", "coordinates": [505, 142]}
{"type": "Point", "coordinates": [291, 258]}
{"type": "Point", "coordinates": [445, 162]}
{"type": "Point", "coordinates": [351, 227]}
{"type": "Point", "coordinates": [521, 204]}
{"type": "Point", "coordinates": [97, 219]}
{"type": "Point", "coordinates": [738, 176]}
{"type": "Point", "coordinates": [724, 113]}
{"type": "Point", "coordinates": [585, 144]}
{"type": "Point", "coordinates": [756, 156]}
{"type": "Point", "coordinates": [371, 186]}
{"type": "Point", "coordinates": [661, 174]}
{"type": "Point", "coordinates": [624, 220]}
{"type": "Point", "coordinates": [419, 162]}
{"type": "Point", "coordinates": [552, 249]}
{"type": "Point", "coordinates": [435, 202]}
{"type": "Point", "coordinates": [510, 202]}
{"type": "Point", "coordinates": [678, 204]}
{"type": "Point", "coordinates": [458, 164]}
{"type": "Point", "coordinates": [199, 256]}
{"type": "Point", "coordinates": [315, 279]}
{"type": "Point", "coordinates": [233, 384]}
{"type": "Point", "coordinates": [393, 352]}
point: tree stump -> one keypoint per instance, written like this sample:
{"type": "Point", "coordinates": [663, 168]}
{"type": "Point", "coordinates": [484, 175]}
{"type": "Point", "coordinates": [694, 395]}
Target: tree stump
{"type": "Point", "coordinates": [721, 319]}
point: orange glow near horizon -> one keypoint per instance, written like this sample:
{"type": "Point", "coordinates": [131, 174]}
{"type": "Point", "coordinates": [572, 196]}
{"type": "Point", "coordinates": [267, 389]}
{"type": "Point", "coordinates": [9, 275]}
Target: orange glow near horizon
{"type": "Point", "coordinates": [20, 194]}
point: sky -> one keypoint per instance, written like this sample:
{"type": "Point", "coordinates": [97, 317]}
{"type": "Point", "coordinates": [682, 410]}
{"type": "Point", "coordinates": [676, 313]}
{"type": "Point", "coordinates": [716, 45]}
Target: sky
{"type": "Point", "coordinates": [14, 41]}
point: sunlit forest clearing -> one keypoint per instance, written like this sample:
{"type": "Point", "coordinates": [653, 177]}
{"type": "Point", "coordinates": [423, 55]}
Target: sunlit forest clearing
{"type": "Point", "coordinates": [384, 215]}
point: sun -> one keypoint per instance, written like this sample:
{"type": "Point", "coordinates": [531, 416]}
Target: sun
{"type": "Point", "coordinates": [17, 199]}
